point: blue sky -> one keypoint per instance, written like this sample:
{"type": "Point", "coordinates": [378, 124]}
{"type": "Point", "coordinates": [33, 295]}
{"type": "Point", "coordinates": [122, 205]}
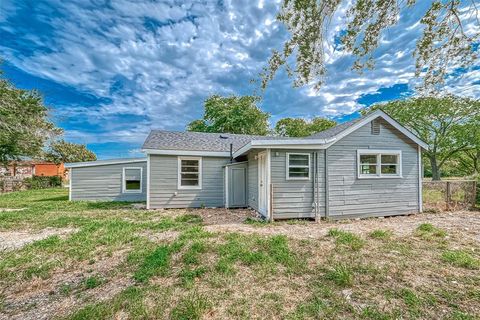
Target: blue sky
{"type": "Point", "coordinates": [113, 70]}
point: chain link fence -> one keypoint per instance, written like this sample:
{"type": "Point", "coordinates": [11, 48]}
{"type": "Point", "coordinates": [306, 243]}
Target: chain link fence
{"type": "Point", "coordinates": [449, 195]}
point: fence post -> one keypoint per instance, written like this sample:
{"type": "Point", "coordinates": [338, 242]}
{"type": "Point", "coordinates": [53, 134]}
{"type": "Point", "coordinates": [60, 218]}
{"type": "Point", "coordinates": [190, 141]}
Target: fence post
{"type": "Point", "coordinates": [474, 194]}
{"type": "Point", "coordinates": [449, 196]}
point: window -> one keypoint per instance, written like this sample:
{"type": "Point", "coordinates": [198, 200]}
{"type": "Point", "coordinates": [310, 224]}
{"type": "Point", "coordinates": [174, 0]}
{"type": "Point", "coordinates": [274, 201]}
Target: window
{"type": "Point", "coordinates": [298, 166]}
{"type": "Point", "coordinates": [379, 163]}
{"type": "Point", "coordinates": [189, 173]}
{"type": "Point", "coordinates": [132, 180]}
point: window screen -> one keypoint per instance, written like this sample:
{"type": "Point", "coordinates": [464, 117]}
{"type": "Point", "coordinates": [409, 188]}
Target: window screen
{"type": "Point", "coordinates": [132, 179]}
{"type": "Point", "coordinates": [189, 173]}
{"type": "Point", "coordinates": [298, 166]}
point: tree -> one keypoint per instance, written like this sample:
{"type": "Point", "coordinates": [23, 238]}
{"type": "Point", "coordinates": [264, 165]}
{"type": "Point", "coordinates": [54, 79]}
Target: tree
{"type": "Point", "coordinates": [63, 151]}
{"type": "Point", "coordinates": [24, 123]}
{"type": "Point", "coordinates": [442, 122]}
{"type": "Point", "coordinates": [234, 114]}
{"type": "Point", "coordinates": [443, 44]}
{"type": "Point", "coordinates": [299, 127]}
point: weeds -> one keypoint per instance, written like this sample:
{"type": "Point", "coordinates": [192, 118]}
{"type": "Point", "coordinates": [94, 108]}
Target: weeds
{"type": "Point", "coordinates": [346, 239]}
{"type": "Point", "coordinates": [380, 234]}
{"type": "Point", "coordinates": [461, 259]}
{"type": "Point", "coordinates": [341, 274]}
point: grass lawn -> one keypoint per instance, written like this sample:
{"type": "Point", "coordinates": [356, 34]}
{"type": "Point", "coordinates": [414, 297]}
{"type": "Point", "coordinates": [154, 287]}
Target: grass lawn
{"type": "Point", "coordinates": [107, 260]}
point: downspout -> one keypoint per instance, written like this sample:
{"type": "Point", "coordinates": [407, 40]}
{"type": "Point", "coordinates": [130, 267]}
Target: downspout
{"type": "Point", "coordinates": [316, 188]}
{"type": "Point", "coordinates": [327, 193]}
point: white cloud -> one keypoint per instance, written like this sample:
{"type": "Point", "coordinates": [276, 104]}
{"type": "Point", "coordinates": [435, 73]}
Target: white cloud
{"type": "Point", "coordinates": [159, 61]}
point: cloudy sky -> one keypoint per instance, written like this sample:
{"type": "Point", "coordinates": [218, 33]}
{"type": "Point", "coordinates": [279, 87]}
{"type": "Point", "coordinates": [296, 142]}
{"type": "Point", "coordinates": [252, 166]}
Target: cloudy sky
{"type": "Point", "coordinates": [113, 70]}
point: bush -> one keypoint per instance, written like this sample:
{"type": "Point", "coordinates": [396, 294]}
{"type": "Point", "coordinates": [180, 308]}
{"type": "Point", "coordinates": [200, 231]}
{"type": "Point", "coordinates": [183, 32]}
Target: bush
{"type": "Point", "coordinates": [41, 182]}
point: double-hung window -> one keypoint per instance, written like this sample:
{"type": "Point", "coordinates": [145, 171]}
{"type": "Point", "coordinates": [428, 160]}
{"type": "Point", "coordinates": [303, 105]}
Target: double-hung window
{"type": "Point", "coordinates": [189, 173]}
{"type": "Point", "coordinates": [379, 163]}
{"type": "Point", "coordinates": [132, 180]}
{"type": "Point", "coordinates": [298, 166]}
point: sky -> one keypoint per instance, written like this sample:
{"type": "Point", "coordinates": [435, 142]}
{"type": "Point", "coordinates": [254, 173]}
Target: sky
{"type": "Point", "coordinates": [113, 70]}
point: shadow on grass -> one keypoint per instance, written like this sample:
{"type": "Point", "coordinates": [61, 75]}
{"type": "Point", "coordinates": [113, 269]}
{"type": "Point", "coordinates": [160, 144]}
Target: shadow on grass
{"type": "Point", "coordinates": [60, 198]}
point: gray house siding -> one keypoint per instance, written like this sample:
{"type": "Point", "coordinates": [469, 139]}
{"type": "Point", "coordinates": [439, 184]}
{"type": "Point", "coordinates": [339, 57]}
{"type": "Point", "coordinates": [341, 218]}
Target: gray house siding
{"type": "Point", "coordinates": [349, 196]}
{"type": "Point", "coordinates": [237, 185]}
{"type": "Point", "coordinates": [252, 180]}
{"type": "Point", "coordinates": [164, 192]}
{"type": "Point", "coordinates": [295, 198]}
{"type": "Point", "coordinates": [104, 182]}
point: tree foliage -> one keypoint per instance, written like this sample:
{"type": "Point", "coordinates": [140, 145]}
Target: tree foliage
{"type": "Point", "coordinates": [24, 123]}
{"type": "Point", "coordinates": [299, 127]}
{"type": "Point", "coordinates": [444, 123]}
{"type": "Point", "coordinates": [443, 44]}
{"type": "Point", "coordinates": [233, 114]}
{"type": "Point", "coordinates": [63, 151]}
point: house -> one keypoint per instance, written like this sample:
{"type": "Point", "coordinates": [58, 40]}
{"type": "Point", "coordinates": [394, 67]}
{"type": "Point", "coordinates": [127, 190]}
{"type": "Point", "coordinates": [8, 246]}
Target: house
{"type": "Point", "coordinates": [27, 168]}
{"type": "Point", "coordinates": [370, 166]}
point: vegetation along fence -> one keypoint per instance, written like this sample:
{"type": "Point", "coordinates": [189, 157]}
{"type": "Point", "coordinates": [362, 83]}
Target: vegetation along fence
{"type": "Point", "coordinates": [449, 195]}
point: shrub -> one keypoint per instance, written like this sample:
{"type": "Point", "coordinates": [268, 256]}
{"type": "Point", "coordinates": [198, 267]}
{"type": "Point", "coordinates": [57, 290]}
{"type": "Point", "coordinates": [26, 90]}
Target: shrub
{"type": "Point", "coordinates": [41, 182]}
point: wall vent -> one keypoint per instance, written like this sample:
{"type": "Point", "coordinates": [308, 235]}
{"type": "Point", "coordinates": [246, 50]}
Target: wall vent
{"type": "Point", "coordinates": [375, 127]}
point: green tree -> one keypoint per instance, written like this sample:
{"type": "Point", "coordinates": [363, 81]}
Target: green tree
{"type": "Point", "coordinates": [443, 44]}
{"type": "Point", "coordinates": [234, 114]}
{"type": "Point", "coordinates": [299, 127]}
{"type": "Point", "coordinates": [442, 122]}
{"type": "Point", "coordinates": [24, 123]}
{"type": "Point", "coordinates": [63, 151]}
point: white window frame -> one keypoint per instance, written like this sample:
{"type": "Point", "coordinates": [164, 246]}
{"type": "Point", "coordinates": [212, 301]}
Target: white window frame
{"type": "Point", "coordinates": [287, 165]}
{"type": "Point", "coordinates": [379, 154]}
{"type": "Point", "coordinates": [179, 173]}
{"type": "Point", "coordinates": [124, 185]}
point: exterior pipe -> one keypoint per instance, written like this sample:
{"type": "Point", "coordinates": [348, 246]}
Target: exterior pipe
{"type": "Point", "coordinates": [231, 152]}
{"type": "Point", "coordinates": [317, 217]}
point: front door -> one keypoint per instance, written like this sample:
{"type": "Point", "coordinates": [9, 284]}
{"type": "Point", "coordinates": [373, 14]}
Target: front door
{"type": "Point", "coordinates": [262, 183]}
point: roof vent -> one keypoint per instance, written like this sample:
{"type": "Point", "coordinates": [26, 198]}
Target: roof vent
{"type": "Point", "coordinates": [223, 137]}
{"type": "Point", "coordinates": [375, 127]}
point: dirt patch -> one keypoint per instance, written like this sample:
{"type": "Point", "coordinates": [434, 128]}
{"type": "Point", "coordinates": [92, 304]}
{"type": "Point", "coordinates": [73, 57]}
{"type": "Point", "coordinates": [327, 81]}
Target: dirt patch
{"type": "Point", "coordinates": [466, 221]}
{"type": "Point", "coordinates": [11, 240]}
{"type": "Point", "coordinates": [64, 290]}
{"type": "Point", "coordinates": [11, 209]}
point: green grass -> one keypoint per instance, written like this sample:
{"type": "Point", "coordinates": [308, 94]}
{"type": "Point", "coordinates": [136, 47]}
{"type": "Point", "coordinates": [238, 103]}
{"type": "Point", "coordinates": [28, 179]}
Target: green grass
{"type": "Point", "coordinates": [428, 231]}
{"type": "Point", "coordinates": [461, 259]}
{"type": "Point", "coordinates": [380, 234]}
{"type": "Point", "coordinates": [341, 274]}
{"type": "Point", "coordinates": [346, 239]}
{"type": "Point", "coordinates": [114, 266]}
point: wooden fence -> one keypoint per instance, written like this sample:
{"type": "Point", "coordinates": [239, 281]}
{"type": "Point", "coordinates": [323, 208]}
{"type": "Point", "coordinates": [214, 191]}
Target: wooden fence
{"type": "Point", "coordinates": [449, 195]}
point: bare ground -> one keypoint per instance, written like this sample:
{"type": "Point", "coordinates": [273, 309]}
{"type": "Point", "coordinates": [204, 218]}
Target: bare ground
{"type": "Point", "coordinates": [40, 299]}
{"type": "Point", "coordinates": [10, 240]}
{"type": "Point", "coordinates": [468, 222]}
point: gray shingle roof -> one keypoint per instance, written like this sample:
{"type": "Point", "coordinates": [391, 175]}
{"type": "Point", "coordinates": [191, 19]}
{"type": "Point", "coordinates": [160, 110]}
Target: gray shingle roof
{"type": "Point", "coordinates": [198, 141]}
{"type": "Point", "coordinates": [201, 141]}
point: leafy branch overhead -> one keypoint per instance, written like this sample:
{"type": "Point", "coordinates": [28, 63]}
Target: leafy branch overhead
{"type": "Point", "coordinates": [444, 44]}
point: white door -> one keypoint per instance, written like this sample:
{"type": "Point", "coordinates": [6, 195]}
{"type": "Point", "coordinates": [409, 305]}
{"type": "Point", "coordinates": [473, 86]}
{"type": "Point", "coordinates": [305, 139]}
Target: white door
{"type": "Point", "coordinates": [262, 183]}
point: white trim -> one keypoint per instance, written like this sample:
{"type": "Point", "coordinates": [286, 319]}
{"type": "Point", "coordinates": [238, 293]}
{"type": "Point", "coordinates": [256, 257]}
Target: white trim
{"type": "Point", "coordinates": [70, 184]}
{"type": "Point", "coordinates": [379, 153]}
{"type": "Point", "coordinates": [179, 173]}
{"type": "Point", "coordinates": [420, 184]}
{"type": "Point", "coordinates": [262, 153]}
{"type": "Point", "coordinates": [124, 190]}
{"type": "Point", "coordinates": [268, 191]}
{"type": "Point", "coordinates": [305, 144]}
{"type": "Point", "coordinates": [148, 181]}
{"type": "Point", "coordinates": [386, 117]}
{"type": "Point", "coordinates": [188, 153]}
{"type": "Point", "coordinates": [287, 166]}
{"type": "Point", "coordinates": [226, 187]}
{"type": "Point", "coordinates": [103, 162]}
